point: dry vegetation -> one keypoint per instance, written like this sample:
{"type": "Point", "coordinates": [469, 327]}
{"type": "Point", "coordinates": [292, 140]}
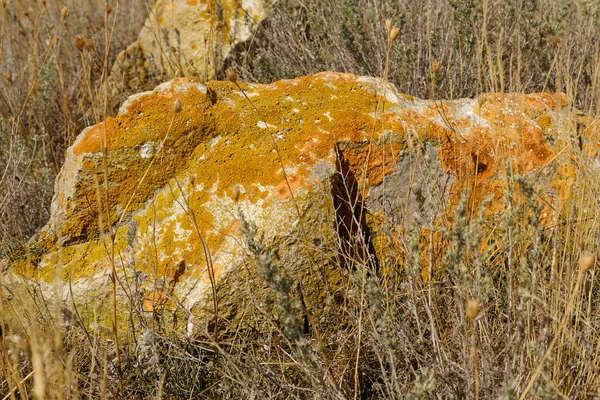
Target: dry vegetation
{"type": "Point", "coordinates": [520, 321]}
{"type": "Point", "coordinates": [44, 97]}
{"type": "Point", "coordinates": [474, 46]}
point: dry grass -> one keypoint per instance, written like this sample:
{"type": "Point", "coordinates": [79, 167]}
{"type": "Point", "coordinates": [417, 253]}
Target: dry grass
{"type": "Point", "coordinates": [475, 45]}
{"type": "Point", "coordinates": [518, 321]}
{"type": "Point", "coordinates": [44, 101]}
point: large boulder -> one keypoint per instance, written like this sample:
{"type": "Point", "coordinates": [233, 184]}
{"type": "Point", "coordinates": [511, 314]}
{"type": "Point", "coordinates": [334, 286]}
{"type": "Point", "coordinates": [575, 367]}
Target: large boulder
{"type": "Point", "coordinates": [331, 168]}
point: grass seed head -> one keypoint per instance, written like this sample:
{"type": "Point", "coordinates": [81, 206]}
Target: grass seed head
{"type": "Point", "coordinates": [80, 42]}
{"type": "Point", "coordinates": [394, 33]}
{"type": "Point", "coordinates": [8, 76]}
{"type": "Point", "coordinates": [435, 67]}
{"type": "Point", "coordinates": [586, 261]}
{"type": "Point", "coordinates": [231, 75]}
{"type": "Point", "coordinates": [388, 26]}
{"type": "Point", "coordinates": [472, 308]}
{"type": "Point", "coordinates": [65, 12]}
{"type": "Point", "coordinates": [176, 107]}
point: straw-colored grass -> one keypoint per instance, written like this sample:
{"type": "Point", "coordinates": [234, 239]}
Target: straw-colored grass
{"type": "Point", "coordinates": [519, 321]}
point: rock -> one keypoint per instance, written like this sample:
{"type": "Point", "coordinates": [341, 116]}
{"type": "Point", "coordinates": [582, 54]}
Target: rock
{"type": "Point", "coordinates": [330, 168]}
{"type": "Point", "coordinates": [185, 38]}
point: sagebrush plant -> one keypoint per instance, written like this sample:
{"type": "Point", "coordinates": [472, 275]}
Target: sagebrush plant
{"type": "Point", "coordinates": [505, 309]}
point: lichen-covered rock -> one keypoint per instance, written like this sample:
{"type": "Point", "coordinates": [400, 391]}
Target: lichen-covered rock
{"type": "Point", "coordinates": [321, 164]}
{"type": "Point", "coordinates": [184, 38]}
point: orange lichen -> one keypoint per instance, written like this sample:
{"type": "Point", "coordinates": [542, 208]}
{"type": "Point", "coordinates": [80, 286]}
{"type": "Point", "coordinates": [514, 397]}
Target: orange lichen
{"type": "Point", "coordinates": [217, 274]}
{"type": "Point", "coordinates": [250, 157]}
{"type": "Point", "coordinates": [126, 134]}
{"type": "Point", "coordinates": [156, 301]}
{"type": "Point", "coordinates": [436, 109]}
{"type": "Point", "coordinates": [544, 121]}
{"type": "Point", "coordinates": [479, 156]}
{"type": "Point", "coordinates": [284, 189]}
{"type": "Point", "coordinates": [564, 183]}
{"type": "Point", "coordinates": [370, 163]}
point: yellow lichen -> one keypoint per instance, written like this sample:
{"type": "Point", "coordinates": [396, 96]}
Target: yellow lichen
{"type": "Point", "coordinates": [223, 140]}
